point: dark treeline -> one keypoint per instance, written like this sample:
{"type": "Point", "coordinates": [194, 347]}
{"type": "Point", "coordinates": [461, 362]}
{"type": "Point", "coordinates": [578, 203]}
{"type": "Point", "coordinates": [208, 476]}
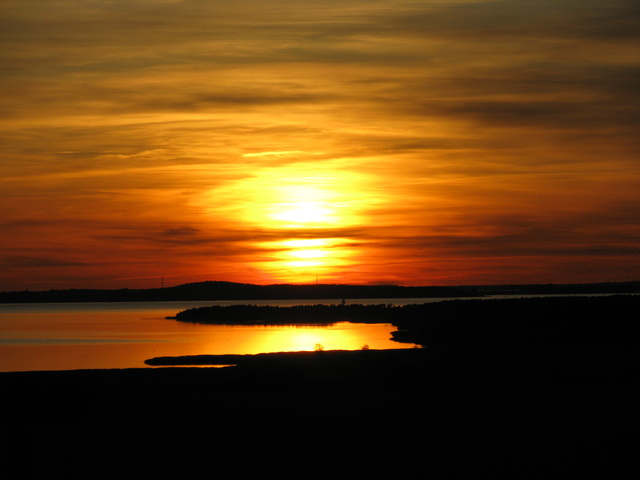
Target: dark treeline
{"type": "Point", "coordinates": [290, 315]}
{"type": "Point", "coordinates": [603, 322]}
{"type": "Point", "coordinates": [233, 291]}
{"type": "Point", "coordinates": [556, 289]}
{"type": "Point", "coordinates": [214, 290]}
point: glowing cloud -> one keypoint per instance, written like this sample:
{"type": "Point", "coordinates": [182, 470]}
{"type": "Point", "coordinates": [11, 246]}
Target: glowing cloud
{"type": "Point", "coordinates": [434, 142]}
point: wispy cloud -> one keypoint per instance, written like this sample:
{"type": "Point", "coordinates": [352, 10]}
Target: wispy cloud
{"type": "Point", "coordinates": [460, 132]}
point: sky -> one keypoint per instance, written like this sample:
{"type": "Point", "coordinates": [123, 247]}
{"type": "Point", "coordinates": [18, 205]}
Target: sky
{"type": "Point", "coordinates": [161, 142]}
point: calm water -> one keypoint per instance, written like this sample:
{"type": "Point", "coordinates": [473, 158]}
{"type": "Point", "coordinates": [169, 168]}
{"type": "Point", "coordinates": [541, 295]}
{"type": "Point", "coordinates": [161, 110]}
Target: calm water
{"type": "Point", "coordinates": [125, 334]}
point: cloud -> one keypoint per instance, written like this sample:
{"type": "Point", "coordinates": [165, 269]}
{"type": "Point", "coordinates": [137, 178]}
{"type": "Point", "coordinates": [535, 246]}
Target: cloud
{"type": "Point", "coordinates": [519, 19]}
{"type": "Point", "coordinates": [39, 262]}
{"type": "Point", "coordinates": [138, 130]}
{"type": "Point", "coordinates": [180, 231]}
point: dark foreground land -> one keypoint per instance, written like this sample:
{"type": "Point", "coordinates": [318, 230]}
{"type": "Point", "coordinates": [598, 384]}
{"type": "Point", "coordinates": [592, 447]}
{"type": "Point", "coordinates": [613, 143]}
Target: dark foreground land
{"type": "Point", "coordinates": [449, 410]}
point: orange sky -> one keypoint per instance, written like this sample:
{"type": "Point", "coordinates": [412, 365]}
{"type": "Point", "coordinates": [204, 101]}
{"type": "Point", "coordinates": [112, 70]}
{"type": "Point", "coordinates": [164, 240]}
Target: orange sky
{"type": "Point", "coordinates": [416, 143]}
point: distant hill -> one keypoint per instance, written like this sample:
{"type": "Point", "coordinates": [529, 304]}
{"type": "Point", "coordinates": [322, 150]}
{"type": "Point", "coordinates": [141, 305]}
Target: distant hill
{"type": "Point", "coordinates": [217, 290]}
{"type": "Point", "coordinates": [556, 289]}
{"type": "Point", "coordinates": [214, 290]}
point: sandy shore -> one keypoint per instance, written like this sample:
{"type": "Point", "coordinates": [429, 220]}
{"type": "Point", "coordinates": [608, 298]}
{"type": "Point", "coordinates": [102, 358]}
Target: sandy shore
{"type": "Point", "coordinates": [388, 414]}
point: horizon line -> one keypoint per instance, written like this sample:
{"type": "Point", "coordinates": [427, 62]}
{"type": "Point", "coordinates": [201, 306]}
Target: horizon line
{"type": "Point", "coordinates": [330, 284]}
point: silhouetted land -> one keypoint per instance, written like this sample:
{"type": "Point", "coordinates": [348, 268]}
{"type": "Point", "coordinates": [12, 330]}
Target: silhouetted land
{"type": "Point", "coordinates": [602, 322]}
{"type": "Point", "coordinates": [231, 291]}
{"type": "Point", "coordinates": [289, 315]}
{"type": "Point", "coordinates": [240, 291]}
{"type": "Point", "coordinates": [502, 387]}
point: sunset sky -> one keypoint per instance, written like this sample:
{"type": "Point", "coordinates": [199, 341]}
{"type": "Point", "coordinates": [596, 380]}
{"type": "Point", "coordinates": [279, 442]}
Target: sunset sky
{"type": "Point", "coordinates": [354, 141]}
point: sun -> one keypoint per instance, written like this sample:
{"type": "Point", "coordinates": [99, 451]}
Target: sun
{"type": "Point", "coordinates": [303, 210]}
{"type": "Point", "coordinates": [303, 213]}
{"type": "Point", "coordinates": [304, 203]}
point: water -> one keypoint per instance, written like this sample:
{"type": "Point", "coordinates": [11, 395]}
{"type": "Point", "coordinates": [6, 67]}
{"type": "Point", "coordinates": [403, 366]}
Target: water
{"type": "Point", "coordinates": [72, 336]}
{"type": "Point", "coordinates": [69, 336]}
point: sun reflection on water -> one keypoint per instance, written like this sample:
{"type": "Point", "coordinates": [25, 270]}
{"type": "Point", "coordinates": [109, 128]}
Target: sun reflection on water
{"type": "Point", "coordinates": [340, 336]}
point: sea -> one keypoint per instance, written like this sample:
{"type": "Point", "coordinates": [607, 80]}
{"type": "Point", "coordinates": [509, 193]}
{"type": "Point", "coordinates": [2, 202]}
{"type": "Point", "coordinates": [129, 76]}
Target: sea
{"type": "Point", "coordinates": [73, 336]}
